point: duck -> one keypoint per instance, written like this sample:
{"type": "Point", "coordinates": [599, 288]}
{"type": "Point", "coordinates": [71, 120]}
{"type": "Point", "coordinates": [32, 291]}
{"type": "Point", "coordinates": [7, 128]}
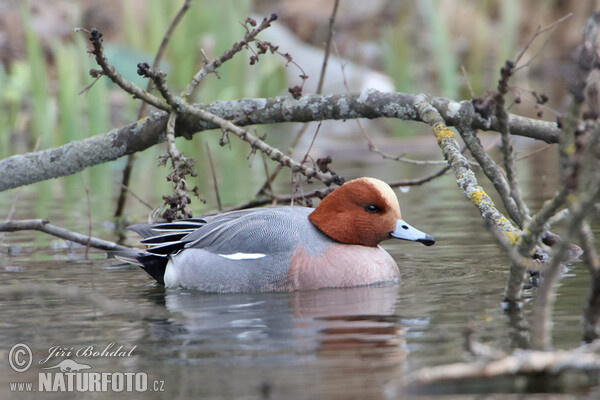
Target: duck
{"type": "Point", "coordinates": [281, 248]}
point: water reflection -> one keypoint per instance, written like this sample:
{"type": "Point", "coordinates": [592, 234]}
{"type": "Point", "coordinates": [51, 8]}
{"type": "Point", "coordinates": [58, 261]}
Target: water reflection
{"type": "Point", "coordinates": [321, 322]}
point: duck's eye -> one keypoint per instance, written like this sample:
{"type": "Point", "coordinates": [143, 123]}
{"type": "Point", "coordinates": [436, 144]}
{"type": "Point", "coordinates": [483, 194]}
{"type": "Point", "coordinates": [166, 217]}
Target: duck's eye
{"type": "Point", "coordinates": [371, 208]}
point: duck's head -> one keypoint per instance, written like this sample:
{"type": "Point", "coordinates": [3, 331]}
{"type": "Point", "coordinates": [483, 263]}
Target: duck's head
{"type": "Point", "coordinates": [364, 211]}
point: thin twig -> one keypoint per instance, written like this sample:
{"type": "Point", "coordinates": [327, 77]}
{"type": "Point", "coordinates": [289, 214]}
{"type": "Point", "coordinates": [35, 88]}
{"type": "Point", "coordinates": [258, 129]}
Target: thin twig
{"type": "Point", "coordinates": [422, 180]}
{"type": "Point", "coordinates": [463, 70]}
{"type": "Point", "coordinates": [544, 305]}
{"type": "Point", "coordinates": [212, 66]}
{"type": "Point", "coordinates": [214, 177]}
{"type": "Point", "coordinates": [157, 60]}
{"type": "Point", "coordinates": [531, 153]}
{"type": "Point", "coordinates": [506, 147]}
{"type": "Point", "coordinates": [327, 46]}
{"type": "Point", "coordinates": [181, 107]}
{"type": "Point", "coordinates": [537, 33]}
{"type": "Point", "coordinates": [89, 215]}
{"type": "Point", "coordinates": [110, 71]}
{"type": "Point", "coordinates": [138, 198]}
{"type": "Point", "coordinates": [273, 153]}
{"type": "Point", "coordinates": [302, 130]}
{"type": "Point", "coordinates": [491, 170]}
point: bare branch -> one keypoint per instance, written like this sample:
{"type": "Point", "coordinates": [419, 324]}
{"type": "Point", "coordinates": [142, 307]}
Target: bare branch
{"type": "Point", "coordinates": [75, 156]}
{"type": "Point", "coordinates": [46, 227]}
{"type": "Point", "coordinates": [464, 175]}
{"type": "Point", "coordinates": [110, 71]}
{"type": "Point", "coordinates": [519, 363]}
{"type": "Point", "coordinates": [212, 66]}
{"type": "Point", "coordinates": [157, 59]}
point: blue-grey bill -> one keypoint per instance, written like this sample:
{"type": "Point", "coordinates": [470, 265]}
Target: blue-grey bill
{"type": "Point", "coordinates": [406, 232]}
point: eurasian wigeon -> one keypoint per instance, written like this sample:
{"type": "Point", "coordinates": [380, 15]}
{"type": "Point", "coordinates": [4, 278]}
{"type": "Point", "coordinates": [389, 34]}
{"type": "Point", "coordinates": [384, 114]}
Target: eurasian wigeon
{"type": "Point", "coordinates": [281, 248]}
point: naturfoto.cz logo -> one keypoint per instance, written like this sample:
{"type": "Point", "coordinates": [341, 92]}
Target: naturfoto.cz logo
{"type": "Point", "coordinates": [69, 375]}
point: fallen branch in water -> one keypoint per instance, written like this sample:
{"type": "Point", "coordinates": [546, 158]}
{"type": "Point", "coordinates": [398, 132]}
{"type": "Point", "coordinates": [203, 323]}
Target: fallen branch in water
{"type": "Point", "coordinates": [46, 227]}
{"type": "Point", "coordinates": [519, 363]}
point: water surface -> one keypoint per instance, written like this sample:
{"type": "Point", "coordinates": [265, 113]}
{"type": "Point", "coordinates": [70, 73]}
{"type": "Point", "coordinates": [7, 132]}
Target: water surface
{"type": "Point", "coordinates": [334, 343]}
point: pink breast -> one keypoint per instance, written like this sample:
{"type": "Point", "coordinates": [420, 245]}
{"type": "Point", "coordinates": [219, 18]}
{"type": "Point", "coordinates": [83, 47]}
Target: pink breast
{"type": "Point", "coordinates": [341, 265]}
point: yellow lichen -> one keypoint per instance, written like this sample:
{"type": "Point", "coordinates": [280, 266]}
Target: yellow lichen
{"type": "Point", "coordinates": [442, 132]}
{"type": "Point", "coordinates": [570, 149]}
{"type": "Point", "coordinates": [477, 196]}
{"type": "Point", "coordinates": [512, 237]}
{"type": "Point", "coordinates": [142, 120]}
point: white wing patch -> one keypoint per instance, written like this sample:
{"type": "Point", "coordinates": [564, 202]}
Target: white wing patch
{"type": "Point", "coordinates": [243, 256]}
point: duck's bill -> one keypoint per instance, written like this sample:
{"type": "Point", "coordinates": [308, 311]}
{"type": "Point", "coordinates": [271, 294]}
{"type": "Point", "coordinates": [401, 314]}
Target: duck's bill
{"type": "Point", "coordinates": [406, 232]}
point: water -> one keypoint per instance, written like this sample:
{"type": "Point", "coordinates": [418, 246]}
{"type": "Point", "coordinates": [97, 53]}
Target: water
{"type": "Point", "coordinates": [337, 343]}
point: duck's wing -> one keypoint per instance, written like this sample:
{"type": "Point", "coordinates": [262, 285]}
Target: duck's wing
{"type": "Point", "coordinates": [166, 238]}
{"type": "Point", "coordinates": [270, 230]}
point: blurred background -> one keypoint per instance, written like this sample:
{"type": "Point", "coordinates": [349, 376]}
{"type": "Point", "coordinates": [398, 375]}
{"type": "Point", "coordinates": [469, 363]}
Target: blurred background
{"type": "Point", "coordinates": [408, 46]}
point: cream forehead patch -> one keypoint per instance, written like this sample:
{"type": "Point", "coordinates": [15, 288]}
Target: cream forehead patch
{"type": "Point", "coordinates": [386, 192]}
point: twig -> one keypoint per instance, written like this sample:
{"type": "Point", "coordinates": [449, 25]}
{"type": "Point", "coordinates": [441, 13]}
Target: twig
{"type": "Point", "coordinates": [110, 71]}
{"type": "Point", "coordinates": [386, 156]}
{"type": "Point", "coordinates": [327, 46]}
{"type": "Point", "coordinates": [46, 227]}
{"type": "Point", "coordinates": [590, 255]}
{"type": "Point", "coordinates": [89, 215]}
{"type": "Point", "coordinates": [320, 193]}
{"type": "Point", "coordinates": [465, 177]}
{"type": "Point", "coordinates": [182, 108]}
{"type": "Point", "coordinates": [591, 312]}
{"type": "Point", "coordinates": [273, 153]}
{"type": "Point", "coordinates": [302, 130]}
{"type": "Point", "coordinates": [582, 205]}
{"type": "Point", "coordinates": [489, 167]}
{"type": "Point", "coordinates": [531, 153]}
{"type": "Point", "coordinates": [214, 177]}
{"type": "Point", "coordinates": [138, 198]}
{"type": "Point", "coordinates": [506, 147]}
{"type": "Point", "coordinates": [322, 74]}
{"type": "Point", "coordinates": [157, 60]}
{"type": "Point", "coordinates": [312, 142]}
{"type": "Point", "coordinates": [212, 66]}
{"type": "Point", "coordinates": [537, 33]}
{"type": "Point", "coordinates": [422, 180]}
{"type": "Point", "coordinates": [463, 70]}
{"type": "Point", "coordinates": [541, 329]}
{"type": "Point", "coordinates": [530, 236]}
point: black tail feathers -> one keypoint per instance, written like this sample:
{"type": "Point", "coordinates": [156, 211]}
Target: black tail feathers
{"type": "Point", "coordinates": [154, 265]}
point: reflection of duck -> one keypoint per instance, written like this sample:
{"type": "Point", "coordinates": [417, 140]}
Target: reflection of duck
{"type": "Point", "coordinates": [320, 320]}
{"type": "Point", "coordinates": [334, 341]}
{"type": "Point", "coordinates": [350, 319]}
{"type": "Point", "coordinates": [282, 248]}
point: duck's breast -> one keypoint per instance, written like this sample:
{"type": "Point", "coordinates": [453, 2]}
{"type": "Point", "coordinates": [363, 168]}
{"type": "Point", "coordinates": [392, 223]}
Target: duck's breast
{"type": "Point", "coordinates": [341, 265]}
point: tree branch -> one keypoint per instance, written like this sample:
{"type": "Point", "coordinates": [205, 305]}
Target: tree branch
{"type": "Point", "coordinates": [464, 175]}
{"type": "Point", "coordinates": [75, 156]}
{"type": "Point", "coordinates": [46, 227]}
